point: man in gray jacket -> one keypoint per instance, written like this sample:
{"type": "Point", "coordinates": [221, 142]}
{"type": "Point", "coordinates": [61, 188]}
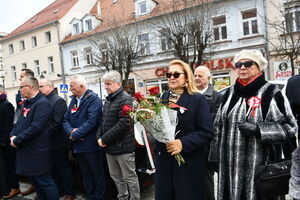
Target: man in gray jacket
{"type": "Point", "coordinates": [116, 137]}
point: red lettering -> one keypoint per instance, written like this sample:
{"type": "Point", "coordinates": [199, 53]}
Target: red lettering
{"type": "Point", "coordinates": [220, 64]}
{"type": "Point", "coordinates": [228, 63]}
{"type": "Point", "coordinates": [161, 72]}
{"type": "Point", "coordinates": [207, 64]}
{"type": "Point", "coordinates": [285, 74]}
{"type": "Point", "coordinates": [212, 65]}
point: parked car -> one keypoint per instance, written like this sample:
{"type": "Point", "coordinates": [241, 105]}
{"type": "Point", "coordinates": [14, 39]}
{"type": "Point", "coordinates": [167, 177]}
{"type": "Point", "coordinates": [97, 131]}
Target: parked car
{"type": "Point", "coordinates": [280, 84]}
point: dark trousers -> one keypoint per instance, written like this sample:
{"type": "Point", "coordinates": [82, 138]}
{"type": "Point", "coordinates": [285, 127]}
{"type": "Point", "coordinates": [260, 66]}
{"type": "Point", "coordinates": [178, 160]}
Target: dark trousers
{"type": "Point", "coordinates": [62, 174]}
{"type": "Point", "coordinates": [45, 187]}
{"type": "Point", "coordinates": [92, 166]}
{"type": "Point", "coordinates": [209, 181]}
{"type": "Point", "coordinates": [9, 158]}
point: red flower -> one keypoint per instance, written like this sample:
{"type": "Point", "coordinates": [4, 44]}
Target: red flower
{"type": "Point", "coordinates": [26, 111]}
{"type": "Point", "coordinates": [154, 91]}
{"type": "Point", "coordinates": [139, 96]}
{"type": "Point", "coordinates": [126, 109]}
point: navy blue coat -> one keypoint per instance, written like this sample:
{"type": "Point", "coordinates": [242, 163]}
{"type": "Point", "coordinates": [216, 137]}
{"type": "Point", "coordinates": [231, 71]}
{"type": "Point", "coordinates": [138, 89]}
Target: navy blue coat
{"type": "Point", "coordinates": [59, 108]}
{"type": "Point", "coordinates": [196, 131]}
{"type": "Point", "coordinates": [86, 119]}
{"type": "Point", "coordinates": [6, 121]}
{"type": "Point", "coordinates": [33, 138]}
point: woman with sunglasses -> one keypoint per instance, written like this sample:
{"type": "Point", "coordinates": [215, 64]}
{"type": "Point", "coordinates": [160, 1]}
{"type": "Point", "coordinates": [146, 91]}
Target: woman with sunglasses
{"type": "Point", "coordinates": [194, 134]}
{"type": "Point", "coordinates": [251, 124]}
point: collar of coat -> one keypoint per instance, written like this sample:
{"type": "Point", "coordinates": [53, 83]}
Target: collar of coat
{"type": "Point", "coordinates": [250, 89]}
{"type": "Point", "coordinates": [183, 101]}
{"type": "Point", "coordinates": [33, 100]}
{"type": "Point", "coordinates": [86, 95]}
{"type": "Point", "coordinates": [209, 91]}
{"type": "Point", "coordinates": [114, 95]}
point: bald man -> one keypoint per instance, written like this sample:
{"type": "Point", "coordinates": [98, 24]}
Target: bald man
{"type": "Point", "coordinates": [202, 77]}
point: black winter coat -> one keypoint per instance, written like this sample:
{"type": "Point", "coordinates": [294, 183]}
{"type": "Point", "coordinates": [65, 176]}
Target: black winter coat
{"type": "Point", "coordinates": [6, 121]}
{"type": "Point", "coordinates": [114, 129]}
{"type": "Point", "coordinates": [59, 108]}
{"type": "Point", "coordinates": [214, 100]}
{"type": "Point", "coordinates": [33, 137]}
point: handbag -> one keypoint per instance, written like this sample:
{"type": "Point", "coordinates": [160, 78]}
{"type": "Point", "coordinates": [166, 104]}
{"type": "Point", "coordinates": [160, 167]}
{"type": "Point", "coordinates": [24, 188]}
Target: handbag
{"type": "Point", "coordinates": [272, 178]}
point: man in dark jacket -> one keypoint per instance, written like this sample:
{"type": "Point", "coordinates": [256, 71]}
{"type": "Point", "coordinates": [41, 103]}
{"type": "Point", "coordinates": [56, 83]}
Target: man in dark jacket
{"type": "Point", "coordinates": [8, 153]}
{"type": "Point", "coordinates": [80, 123]}
{"type": "Point", "coordinates": [116, 137]}
{"type": "Point", "coordinates": [293, 94]}
{"type": "Point", "coordinates": [61, 171]}
{"type": "Point", "coordinates": [202, 77]}
{"type": "Point", "coordinates": [32, 139]}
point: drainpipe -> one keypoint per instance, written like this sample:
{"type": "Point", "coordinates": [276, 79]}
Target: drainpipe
{"type": "Point", "coordinates": [267, 38]}
{"type": "Point", "coordinates": [61, 60]}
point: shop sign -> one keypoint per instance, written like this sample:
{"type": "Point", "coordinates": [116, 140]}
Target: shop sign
{"type": "Point", "coordinates": [159, 72]}
{"type": "Point", "coordinates": [224, 63]}
{"type": "Point", "coordinates": [282, 70]}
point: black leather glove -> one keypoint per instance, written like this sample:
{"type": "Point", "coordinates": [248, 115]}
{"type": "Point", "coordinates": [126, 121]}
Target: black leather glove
{"type": "Point", "coordinates": [249, 129]}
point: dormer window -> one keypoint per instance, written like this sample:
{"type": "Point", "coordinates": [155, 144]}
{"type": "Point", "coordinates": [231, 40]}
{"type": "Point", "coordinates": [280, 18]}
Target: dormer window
{"type": "Point", "coordinates": [88, 25]}
{"type": "Point", "coordinates": [76, 28]}
{"type": "Point", "coordinates": [142, 6]}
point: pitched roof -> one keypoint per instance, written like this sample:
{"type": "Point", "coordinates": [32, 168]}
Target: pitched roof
{"type": "Point", "coordinates": [122, 12]}
{"type": "Point", "coordinates": [51, 13]}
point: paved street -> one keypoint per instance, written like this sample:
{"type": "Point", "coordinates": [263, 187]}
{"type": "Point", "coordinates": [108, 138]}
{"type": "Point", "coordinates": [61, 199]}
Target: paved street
{"type": "Point", "coordinates": [147, 193]}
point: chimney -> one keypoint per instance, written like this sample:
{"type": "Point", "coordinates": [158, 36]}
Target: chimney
{"type": "Point", "coordinates": [98, 9]}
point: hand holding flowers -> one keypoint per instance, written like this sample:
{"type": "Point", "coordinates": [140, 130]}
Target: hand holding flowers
{"type": "Point", "coordinates": [158, 119]}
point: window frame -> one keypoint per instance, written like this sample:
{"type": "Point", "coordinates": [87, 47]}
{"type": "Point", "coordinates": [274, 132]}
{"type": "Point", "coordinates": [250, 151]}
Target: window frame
{"type": "Point", "coordinates": [24, 65]}
{"type": "Point", "coordinates": [74, 59]}
{"type": "Point", "coordinates": [139, 8]}
{"type": "Point", "coordinates": [219, 27]}
{"type": "Point", "coordinates": [165, 43]}
{"type": "Point", "coordinates": [145, 43]}
{"type": "Point", "coordinates": [48, 38]}
{"type": "Point", "coordinates": [13, 73]}
{"type": "Point", "coordinates": [88, 55]}
{"type": "Point", "coordinates": [34, 41]}
{"type": "Point", "coordinates": [51, 64]}
{"type": "Point", "coordinates": [249, 21]}
{"type": "Point", "coordinates": [37, 67]}
{"type": "Point", "coordinates": [22, 45]}
{"type": "Point", "coordinates": [87, 23]}
{"type": "Point", "coordinates": [11, 49]}
{"type": "Point", "coordinates": [76, 28]}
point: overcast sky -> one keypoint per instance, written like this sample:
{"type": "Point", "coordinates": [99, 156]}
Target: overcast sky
{"type": "Point", "coordinates": [13, 13]}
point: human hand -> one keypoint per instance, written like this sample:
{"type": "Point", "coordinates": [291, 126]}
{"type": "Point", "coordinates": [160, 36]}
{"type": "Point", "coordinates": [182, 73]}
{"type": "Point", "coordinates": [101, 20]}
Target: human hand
{"type": "Point", "coordinates": [249, 129]}
{"type": "Point", "coordinates": [174, 147]}
{"type": "Point", "coordinates": [101, 144]}
{"type": "Point", "coordinates": [12, 141]}
{"type": "Point", "coordinates": [73, 130]}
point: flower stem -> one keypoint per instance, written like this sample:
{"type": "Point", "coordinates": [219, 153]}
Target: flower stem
{"type": "Point", "coordinates": [179, 159]}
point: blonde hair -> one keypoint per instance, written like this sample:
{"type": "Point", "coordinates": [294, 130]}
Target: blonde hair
{"type": "Point", "coordinates": [190, 84]}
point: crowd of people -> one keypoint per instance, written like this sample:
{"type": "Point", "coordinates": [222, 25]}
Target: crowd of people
{"type": "Point", "coordinates": [232, 135]}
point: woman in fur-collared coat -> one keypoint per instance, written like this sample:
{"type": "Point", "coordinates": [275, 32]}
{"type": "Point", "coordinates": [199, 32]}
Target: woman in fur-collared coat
{"type": "Point", "coordinates": [252, 117]}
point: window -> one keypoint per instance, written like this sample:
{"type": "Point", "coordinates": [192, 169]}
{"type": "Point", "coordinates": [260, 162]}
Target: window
{"type": "Point", "coordinates": [37, 67]}
{"type": "Point", "coordinates": [144, 44]}
{"type": "Point", "coordinates": [48, 36]}
{"type": "Point", "coordinates": [103, 48]}
{"type": "Point", "coordinates": [50, 64]}
{"type": "Point", "coordinates": [249, 19]}
{"type": "Point", "coordinates": [292, 21]}
{"type": "Point", "coordinates": [13, 73]}
{"type": "Point", "coordinates": [24, 65]}
{"type": "Point", "coordinates": [75, 58]}
{"type": "Point", "coordinates": [22, 45]}
{"type": "Point", "coordinates": [88, 55]}
{"type": "Point", "coordinates": [11, 49]}
{"type": "Point", "coordinates": [1, 64]}
{"type": "Point", "coordinates": [161, 83]}
{"type": "Point", "coordinates": [76, 28]}
{"type": "Point", "coordinates": [34, 41]}
{"type": "Point", "coordinates": [220, 30]}
{"type": "Point", "coordinates": [142, 8]}
{"type": "Point", "coordinates": [88, 25]}
{"type": "Point", "coordinates": [165, 42]}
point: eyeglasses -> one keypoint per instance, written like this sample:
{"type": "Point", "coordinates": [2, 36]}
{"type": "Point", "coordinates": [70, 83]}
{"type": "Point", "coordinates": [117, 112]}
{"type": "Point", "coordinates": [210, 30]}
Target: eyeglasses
{"type": "Point", "coordinates": [246, 64]}
{"type": "Point", "coordinates": [20, 88]}
{"type": "Point", "coordinates": [175, 75]}
{"type": "Point", "coordinates": [41, 86]}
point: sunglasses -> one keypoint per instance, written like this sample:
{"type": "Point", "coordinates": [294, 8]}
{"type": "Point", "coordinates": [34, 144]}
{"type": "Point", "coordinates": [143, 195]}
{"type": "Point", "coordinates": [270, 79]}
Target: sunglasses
{"type": "Point", "coordinates": [175, 75]}
{"type": "Point", "coordinates": [246, 64]}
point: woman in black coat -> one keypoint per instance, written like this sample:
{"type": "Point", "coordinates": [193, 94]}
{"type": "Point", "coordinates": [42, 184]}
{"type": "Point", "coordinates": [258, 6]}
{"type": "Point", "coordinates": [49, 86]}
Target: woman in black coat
{"type": "Point", "coordinates": [192, 141]}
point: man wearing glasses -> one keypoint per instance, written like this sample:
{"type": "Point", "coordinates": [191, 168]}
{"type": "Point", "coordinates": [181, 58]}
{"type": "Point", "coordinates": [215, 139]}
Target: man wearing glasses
{"type": "Point", "coordinates": [31, 137]}
{"type": "Point", "coordinates": [61, 170]}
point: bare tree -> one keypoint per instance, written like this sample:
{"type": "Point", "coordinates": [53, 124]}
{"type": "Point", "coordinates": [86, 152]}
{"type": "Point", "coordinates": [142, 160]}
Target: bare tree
{"type": "Point", "coordinates": [117, 49]}
{"type": "Point", "coordinates": [187, 26]}
{"type": "Point", "coordinates": [284, 39]}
